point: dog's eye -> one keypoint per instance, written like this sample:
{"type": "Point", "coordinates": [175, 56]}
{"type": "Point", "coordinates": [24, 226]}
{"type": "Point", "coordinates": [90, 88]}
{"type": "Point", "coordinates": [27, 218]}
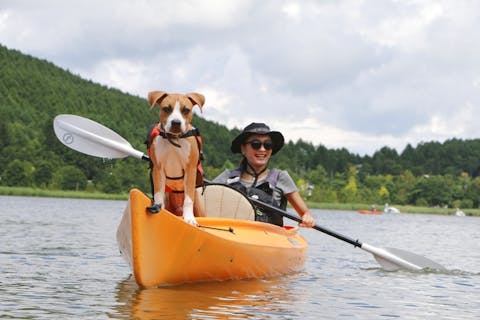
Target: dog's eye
{"type": "Point", "coordinates": [185, 111]}
{"type": "Point", "coordinates": [167, 109]}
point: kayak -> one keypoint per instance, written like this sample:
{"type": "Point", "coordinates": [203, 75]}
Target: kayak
{"type": "Point", "coordinates": [370, 211]}
{"type": "Point", "coordinates": [162, 249]}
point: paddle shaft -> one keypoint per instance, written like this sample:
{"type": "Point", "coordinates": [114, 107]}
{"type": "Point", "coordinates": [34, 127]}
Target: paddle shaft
{"type": "Point", "coordinates": [383, 256]}
{"type": "Point", "coordinates": [284, 213]}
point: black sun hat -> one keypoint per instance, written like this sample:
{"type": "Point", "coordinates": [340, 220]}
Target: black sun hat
{"type": "Point", "coordinates": [257, 128]}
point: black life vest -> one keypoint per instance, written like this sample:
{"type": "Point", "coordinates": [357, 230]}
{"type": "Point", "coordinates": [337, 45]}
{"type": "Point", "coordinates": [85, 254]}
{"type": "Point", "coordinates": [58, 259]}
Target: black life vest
{"type": "Point", "coordinates": [266, 192]}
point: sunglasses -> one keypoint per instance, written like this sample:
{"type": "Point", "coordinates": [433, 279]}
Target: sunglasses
{"type": "Point", "coordinates": [256, 144]}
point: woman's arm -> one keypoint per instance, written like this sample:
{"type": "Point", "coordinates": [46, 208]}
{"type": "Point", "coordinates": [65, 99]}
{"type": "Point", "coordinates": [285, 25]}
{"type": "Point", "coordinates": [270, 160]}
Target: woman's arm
{"type": "Point", "coordinates": [301, 208]}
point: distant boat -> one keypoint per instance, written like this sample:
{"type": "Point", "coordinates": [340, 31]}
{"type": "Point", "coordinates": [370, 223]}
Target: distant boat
{"type": "Point", "coordinates": [371, 211]}
{"type": "Point", "coordinates": [459, 213]}
{"type": "Point", "coordinates": [389, 209]}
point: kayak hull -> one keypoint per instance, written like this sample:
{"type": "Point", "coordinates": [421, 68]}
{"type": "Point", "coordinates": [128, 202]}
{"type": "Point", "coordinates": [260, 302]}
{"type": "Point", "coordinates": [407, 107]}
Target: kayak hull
{"type": "Point", "coordinates": [162, 249]}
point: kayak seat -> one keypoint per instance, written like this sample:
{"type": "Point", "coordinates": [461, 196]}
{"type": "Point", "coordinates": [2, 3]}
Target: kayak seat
{"type": "Point", "coordinates": [221, 201]}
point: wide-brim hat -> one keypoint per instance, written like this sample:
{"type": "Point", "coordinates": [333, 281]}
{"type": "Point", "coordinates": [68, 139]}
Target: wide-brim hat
{"type": "Point", "coordinates": [258, 128]}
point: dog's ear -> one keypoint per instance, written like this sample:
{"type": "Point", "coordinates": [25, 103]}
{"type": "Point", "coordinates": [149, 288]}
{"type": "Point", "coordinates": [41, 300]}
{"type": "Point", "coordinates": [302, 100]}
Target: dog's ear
{"type": "Point", "coordinates": [197, 99]}
{"type": "Point", "coordinates": [156, 97]}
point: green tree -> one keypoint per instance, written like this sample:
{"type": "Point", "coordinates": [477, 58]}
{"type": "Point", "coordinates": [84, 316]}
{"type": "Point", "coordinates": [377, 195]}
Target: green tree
{"type": "Point", "coordinates": [349, 192]}
{"type": "Point", "coordinates": [404, 183]}
{"type": "Point", "coordinates": [69, 178]}
{"type": "Point", "coordinates": [18, 173]}
{"type": "Point", "coordinates": [473, 192]}
{"type": "Point", "coordinates": [110, 183]}
{"type": "Point", "coordinates": [42, 176]}
{"type": "Point", "coordinates": [383, 194]}
{"type": "Point", "coordinates": [318, 176]}
{"type": "Point", "coordinates": [435, 190]}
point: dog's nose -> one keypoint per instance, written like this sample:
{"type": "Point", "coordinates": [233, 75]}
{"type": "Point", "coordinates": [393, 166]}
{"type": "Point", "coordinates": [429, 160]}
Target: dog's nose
{"type": "Point", "coordinates": [175, 126]}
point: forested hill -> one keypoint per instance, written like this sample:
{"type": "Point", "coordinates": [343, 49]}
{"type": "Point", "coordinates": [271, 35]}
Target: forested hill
{"type": "Point", "coordinates": [34, 91]}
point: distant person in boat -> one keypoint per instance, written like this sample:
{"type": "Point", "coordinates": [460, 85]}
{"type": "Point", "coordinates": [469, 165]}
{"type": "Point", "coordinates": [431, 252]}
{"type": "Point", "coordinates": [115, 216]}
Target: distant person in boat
{"type": "Point", "coordinates": [253, 177]}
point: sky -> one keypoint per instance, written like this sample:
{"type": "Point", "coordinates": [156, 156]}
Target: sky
{"type": "Point", "coordinates": [351, 74]}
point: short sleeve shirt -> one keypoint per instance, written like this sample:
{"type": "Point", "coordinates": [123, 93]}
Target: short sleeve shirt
{"type": "Point", "coordinates": [284, 182]}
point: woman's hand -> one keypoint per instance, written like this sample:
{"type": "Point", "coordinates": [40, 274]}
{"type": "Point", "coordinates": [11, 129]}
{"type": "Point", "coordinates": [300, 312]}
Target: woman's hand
{"type": "Point", "coordinates": [307, 220]}
{"type": "Point", "coordinates": [299, 205]}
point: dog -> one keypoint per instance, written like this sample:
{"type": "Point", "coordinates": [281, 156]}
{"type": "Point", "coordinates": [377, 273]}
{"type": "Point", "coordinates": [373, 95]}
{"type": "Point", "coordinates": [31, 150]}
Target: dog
{"type": "Point", "coordinates": [175, 153]}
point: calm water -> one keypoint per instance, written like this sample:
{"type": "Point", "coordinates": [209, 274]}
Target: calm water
{"type": "Point", "coordinates": [59, 260]}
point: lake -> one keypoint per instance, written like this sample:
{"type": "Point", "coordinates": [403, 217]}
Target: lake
{"type": "Point", "coordinates": [59, 260]}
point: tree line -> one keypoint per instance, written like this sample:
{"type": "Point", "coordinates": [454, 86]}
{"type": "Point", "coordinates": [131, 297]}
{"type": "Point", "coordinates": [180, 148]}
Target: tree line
{"type": "Point", "coordinates": [34, 91]}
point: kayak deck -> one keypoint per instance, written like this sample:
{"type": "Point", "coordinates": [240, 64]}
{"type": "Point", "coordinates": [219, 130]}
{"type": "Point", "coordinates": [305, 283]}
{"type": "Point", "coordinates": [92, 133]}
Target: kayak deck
{"type": "Point", "coordinates": [162, 249]}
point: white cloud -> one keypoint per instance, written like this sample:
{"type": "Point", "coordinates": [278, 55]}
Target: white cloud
{"type": "Point", "coordinates": [404, 26]}
{"type": "Point", "coordinates": [218, 102]}
{"type": "Point", "coordinates": [292, 10]}
{"type": "Point", "coordinates": [3, 20]}
{"type": "Point", "coordinates": [122, 74]}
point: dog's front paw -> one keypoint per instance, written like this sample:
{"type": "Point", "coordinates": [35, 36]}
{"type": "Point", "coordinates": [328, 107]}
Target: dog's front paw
{"type": "Point", "coordinates": [154, 208]}
{"type": "Point", "coordinates": [189, 218]}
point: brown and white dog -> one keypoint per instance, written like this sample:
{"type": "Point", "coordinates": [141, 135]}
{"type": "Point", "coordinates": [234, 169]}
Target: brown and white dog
{"type": "Point", "coordinates": [175, 153]}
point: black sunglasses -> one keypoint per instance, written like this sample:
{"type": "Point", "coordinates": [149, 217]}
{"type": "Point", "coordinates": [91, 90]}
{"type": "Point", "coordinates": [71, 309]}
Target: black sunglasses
{"type": "Point", "coordinates": [256, 144]}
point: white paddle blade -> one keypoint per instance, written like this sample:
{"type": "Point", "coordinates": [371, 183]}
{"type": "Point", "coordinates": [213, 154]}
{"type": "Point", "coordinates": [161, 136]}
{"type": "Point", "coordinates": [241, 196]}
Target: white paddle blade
{"type": "Point", "coordinates": [416, 259]}
{"type": "Point", "coordinates": [389, 261]}
{"type": "Point", "coordinates": [394, 259]}
{"type": "Point", "coordinates": [92, 138]}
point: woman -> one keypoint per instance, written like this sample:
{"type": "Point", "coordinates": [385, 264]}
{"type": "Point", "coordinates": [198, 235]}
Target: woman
{"type": "Point", "coordinates": [273, 186]}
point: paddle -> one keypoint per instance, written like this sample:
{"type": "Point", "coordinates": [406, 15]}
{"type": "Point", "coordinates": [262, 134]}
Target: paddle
{"type": "Point", "coordinates": [92, 138]}
{"type": "Point", "coordinates": [390, 259]}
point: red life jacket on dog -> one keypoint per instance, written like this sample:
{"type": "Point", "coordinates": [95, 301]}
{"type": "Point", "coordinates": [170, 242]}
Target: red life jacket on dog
{"type": "Point", "coordinates": [155, 131]}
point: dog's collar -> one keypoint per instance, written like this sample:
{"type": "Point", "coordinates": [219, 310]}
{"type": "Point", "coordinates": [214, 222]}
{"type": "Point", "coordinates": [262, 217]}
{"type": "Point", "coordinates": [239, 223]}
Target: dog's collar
{"type": "Point", "coordinates": [170, 136]}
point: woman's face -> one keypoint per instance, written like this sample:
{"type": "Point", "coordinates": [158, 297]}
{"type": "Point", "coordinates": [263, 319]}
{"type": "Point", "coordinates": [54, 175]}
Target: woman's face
{"type": "Point", "coordinates": [257, 149]}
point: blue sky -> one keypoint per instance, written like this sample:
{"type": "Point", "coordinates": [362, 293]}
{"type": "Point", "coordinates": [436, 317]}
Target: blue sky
{"type": "Point", "coordinates": [345, 74]}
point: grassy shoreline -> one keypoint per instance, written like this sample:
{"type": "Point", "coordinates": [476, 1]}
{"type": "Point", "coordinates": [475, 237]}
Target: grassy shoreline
{"type": "Point", "coordinates": [35, 192]}
{"type": "Point", "coordinates": [403, 209]}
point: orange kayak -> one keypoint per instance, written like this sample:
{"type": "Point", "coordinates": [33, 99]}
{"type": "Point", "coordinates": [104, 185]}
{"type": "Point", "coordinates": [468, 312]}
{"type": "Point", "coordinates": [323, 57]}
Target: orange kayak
{"type": "Point", "coordinates": [370, 211]}
{"type": "Point", "coordinates": [162, 249]}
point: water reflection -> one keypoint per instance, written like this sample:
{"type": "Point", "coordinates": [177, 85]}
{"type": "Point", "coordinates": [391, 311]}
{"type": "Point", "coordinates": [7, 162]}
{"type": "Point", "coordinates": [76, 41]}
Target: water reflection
{"type": "Point", "coordinates": [237, 299]}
